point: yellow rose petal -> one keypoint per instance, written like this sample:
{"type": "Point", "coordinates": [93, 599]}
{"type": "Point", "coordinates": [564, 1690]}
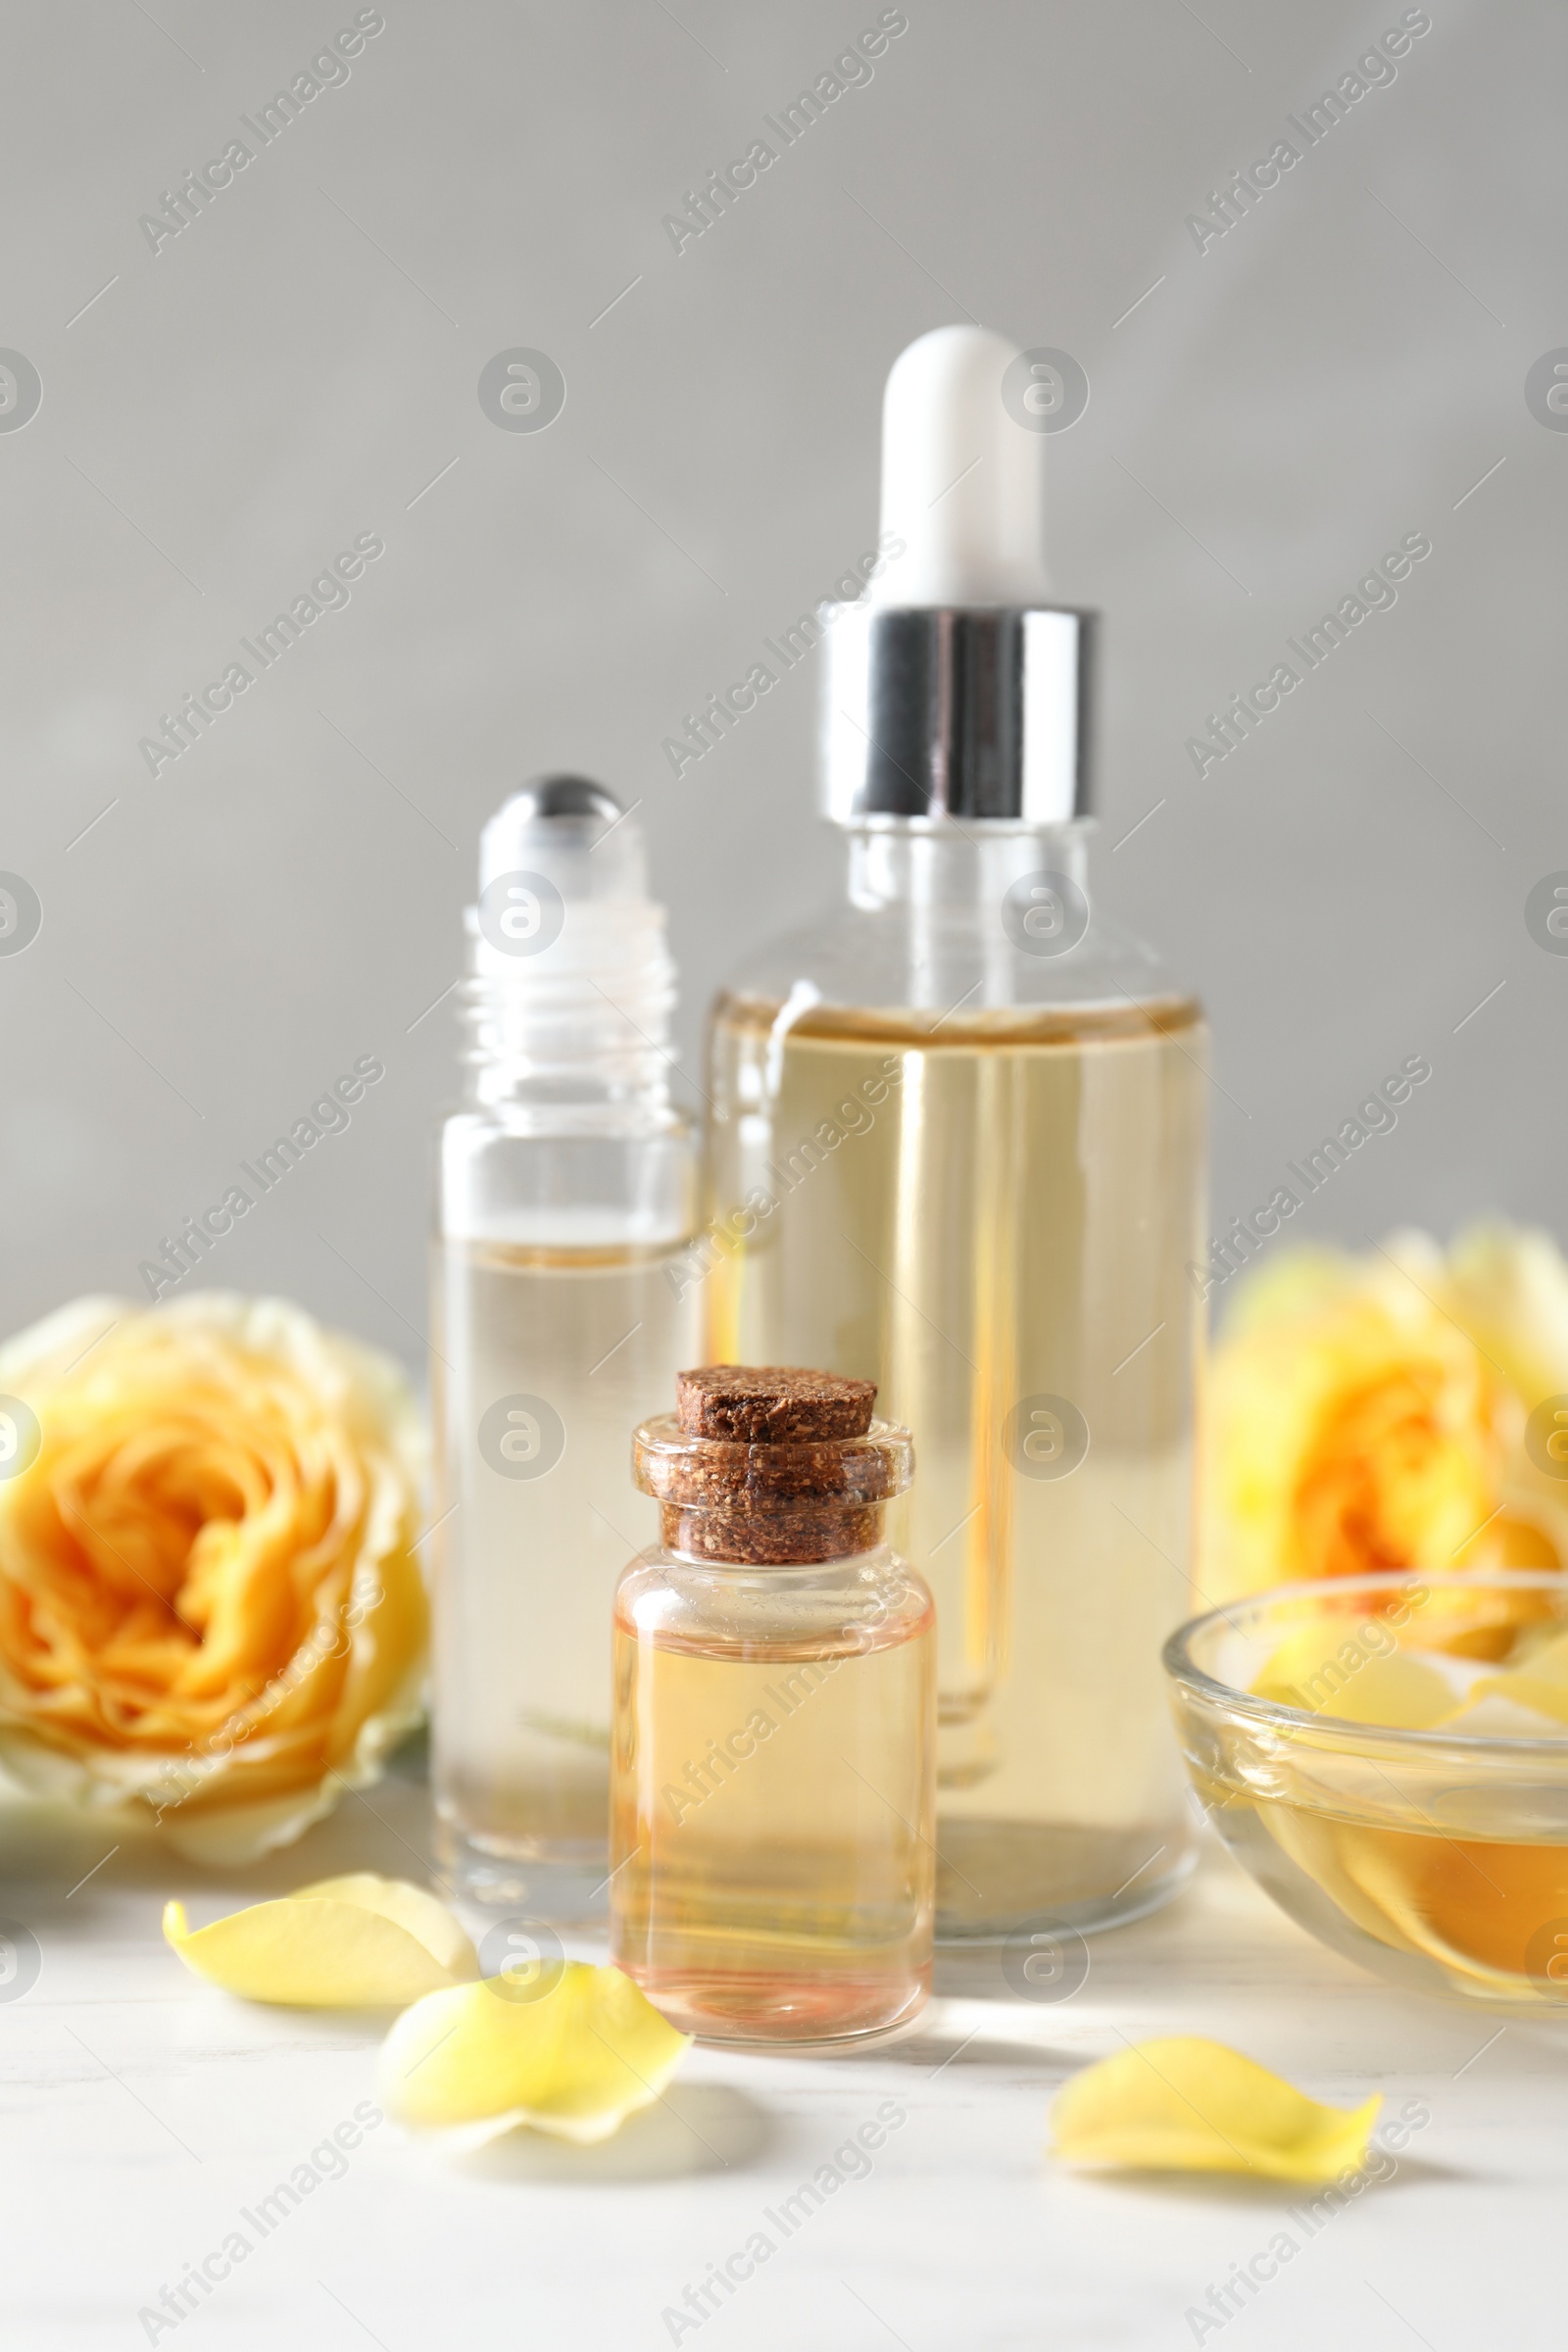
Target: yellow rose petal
{"type": "Point", "coordinates": [572, 2051]}
{"type": "Point", "coordinates": [1331, 1669]}
{"type": "Point", "coordinates": [1540, 1682]}
{"type": "Point", "coordinates": [1495, 1717]}
{"type": "Point", "coordinates": [1185, 2105]}
{"type": "Point", "coordinates": [356, 1943]}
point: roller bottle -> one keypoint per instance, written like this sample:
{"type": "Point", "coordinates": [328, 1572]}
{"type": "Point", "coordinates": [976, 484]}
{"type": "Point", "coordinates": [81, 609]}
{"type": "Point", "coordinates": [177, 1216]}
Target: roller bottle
{"type": "Point", "coordinates": [568, 1190]}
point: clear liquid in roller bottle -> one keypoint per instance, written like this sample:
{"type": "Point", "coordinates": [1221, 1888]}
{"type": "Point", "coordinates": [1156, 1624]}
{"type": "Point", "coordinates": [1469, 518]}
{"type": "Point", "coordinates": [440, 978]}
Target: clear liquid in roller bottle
{"type": "Point", "coordinates": [567, 1193]}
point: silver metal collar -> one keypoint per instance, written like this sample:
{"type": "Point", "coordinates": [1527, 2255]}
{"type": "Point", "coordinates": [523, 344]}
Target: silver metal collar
{"type": "Point", "coordinates": [938, 712]}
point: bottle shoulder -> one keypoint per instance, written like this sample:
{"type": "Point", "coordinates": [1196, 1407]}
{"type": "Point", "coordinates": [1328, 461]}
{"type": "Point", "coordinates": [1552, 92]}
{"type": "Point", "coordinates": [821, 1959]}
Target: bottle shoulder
{"type": "Point", "coordinates": [1007, 933]}
{"type": "Point", "coordinates": [874, 1600]}
{"type": "Point", "coordinates": [858, 976]}
{"type": "Point", "coordinates": [567, 1178]}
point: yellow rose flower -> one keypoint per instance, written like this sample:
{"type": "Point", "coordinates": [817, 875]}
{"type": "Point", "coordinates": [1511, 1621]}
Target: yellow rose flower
{"type": "Point", "coordinates": [1370, 1412]}
{"type": "Point", "coordinates": [209, 1604]}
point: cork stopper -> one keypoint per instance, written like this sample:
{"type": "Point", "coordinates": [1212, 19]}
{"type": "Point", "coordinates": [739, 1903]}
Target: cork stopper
{"type": "Point", "coordinates": [773, 1404]}
{"type": "Point", "coordinates": [771, 1465]}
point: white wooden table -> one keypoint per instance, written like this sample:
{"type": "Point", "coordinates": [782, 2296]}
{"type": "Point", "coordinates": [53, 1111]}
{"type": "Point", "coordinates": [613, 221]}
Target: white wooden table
{"type": "Point", "coordinates": [147, 2115]}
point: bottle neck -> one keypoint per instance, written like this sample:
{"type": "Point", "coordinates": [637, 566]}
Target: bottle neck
{"type": "Point", "coordinates": [811, 1535]}
{"type": "Point", "coordinates": [972, 917]}
{"type": "Point", "coordinates": [942, 865]}
{"type": "Point", "coordinates": [584, 1040]}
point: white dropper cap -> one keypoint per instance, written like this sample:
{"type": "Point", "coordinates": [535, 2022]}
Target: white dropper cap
{"type": "Point", "coordinates": [956, 687]}
{"type": "Point", "coordinates": [962, 481]}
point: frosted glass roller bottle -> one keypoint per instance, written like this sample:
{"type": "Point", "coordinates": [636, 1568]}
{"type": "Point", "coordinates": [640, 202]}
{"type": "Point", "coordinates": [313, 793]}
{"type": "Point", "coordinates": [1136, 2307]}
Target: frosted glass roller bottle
{"type": "Point", "coordinates": [568, 1188]}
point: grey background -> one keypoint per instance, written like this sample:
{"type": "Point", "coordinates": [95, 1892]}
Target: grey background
{"type": "Point", "coordinates": [300, 364]}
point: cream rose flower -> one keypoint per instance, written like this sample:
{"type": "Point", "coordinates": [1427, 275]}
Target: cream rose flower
{"type": "Point", "coordinates": [209, 1604]}
{"type": "Point", "coordinates": [1372, 1412]}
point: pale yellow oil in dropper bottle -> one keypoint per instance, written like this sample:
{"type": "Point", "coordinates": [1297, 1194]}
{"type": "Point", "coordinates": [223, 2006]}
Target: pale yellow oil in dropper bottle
{"type": "Point", "coordinates": [967, 1119]}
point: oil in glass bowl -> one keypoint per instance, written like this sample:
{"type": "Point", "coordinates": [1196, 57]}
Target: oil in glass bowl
{"type": "Point", "coordinates": [1388, 1756]}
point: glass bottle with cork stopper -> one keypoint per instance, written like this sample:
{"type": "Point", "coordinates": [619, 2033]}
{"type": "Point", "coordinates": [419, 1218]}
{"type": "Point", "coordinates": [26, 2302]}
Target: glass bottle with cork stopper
{"type": "Point", "coordinates": [772, 1776]}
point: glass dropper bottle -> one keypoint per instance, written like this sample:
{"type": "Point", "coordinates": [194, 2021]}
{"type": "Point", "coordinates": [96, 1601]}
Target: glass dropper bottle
{"type": "Point", "coordinates": [966, 1117]}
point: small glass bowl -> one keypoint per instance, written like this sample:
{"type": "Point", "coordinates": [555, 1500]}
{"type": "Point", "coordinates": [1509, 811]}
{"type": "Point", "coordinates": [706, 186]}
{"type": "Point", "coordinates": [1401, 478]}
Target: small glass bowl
{"type": "Point", "coordinates": [1436, 1859]}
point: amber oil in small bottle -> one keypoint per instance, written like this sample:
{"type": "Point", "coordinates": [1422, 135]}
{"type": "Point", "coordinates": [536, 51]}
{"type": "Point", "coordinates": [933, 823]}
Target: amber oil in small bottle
{"type": "Point", "coordinates": [772, 1776]}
